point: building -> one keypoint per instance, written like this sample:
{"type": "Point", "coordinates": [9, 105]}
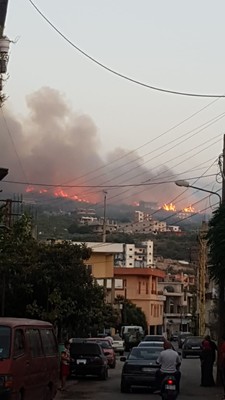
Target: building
{"type": "Point", "coordinates": [131, 255]}
{"type": "Point", "coordinates": [143, 227]}
{"type": "Point", "coordinates": [178, 306]}
{"type": "Point", "coordinates": [141, 216]}
{"type": "Point", "coordinates": [140, 286]}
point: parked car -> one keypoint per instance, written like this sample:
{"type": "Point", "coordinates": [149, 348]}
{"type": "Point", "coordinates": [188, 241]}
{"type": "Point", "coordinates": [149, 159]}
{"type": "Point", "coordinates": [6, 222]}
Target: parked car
{"type": "Point", "coordinates": [140, 368]}
{"type": "Point", "coordinates": [29, 359]}
{"type": "Point", "coordinates": [192, 346]}
{"type": "Point", "coordinates": [181, 338]}
{"type": "Point", "coordinates": [88, 359]}
{"type": "Point", "coordinates": [118, 344]}
{"type": "Point", "coordinates": [154, 338]}
{"type": "Point", "coordinates": [107, 350]}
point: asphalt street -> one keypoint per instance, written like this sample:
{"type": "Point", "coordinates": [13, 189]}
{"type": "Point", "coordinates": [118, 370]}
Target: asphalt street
{"type": "Point", "coordinates": [93, 389]}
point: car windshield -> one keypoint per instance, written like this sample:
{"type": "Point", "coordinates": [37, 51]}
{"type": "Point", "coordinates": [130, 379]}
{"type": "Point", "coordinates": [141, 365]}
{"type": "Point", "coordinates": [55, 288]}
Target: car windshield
{"type": "Point", "coordinates": [145, 353]}
{"type": "Point", "coordinates": [150, 344]}
{"type": "Point", "coordinates": [194, 340]}
{"type": "Point", "coordinates": [5, 336]}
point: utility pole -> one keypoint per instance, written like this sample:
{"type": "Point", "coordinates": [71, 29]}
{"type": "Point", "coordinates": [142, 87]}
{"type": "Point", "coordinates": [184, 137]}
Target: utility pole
{"type": "Point", "coordinates": [104, 219]}
{"type": "Point", "coordinates": [221, 305]}
{"type": "Point", "coordinates": [202, 277]}
{"type": "Point", "coordinates": [4, 48]}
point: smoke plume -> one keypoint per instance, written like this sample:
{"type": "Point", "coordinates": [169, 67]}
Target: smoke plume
{"type": "Point", "coordinates": [55, 145]}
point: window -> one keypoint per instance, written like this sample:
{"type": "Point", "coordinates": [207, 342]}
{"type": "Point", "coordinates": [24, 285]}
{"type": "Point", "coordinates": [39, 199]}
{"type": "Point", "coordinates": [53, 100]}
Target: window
{"type": "Point", "coordinates": [5, 338]}
{"type": "Point", "coordinates": [130, 264]}
{"type": "Point", "coordinates": [171, 307]}
{"type": "Point", "coordinates": [19, 343]}
{"type": "Point", "coordinates": [146, 287]}
{"type": "Point", "coordinates": [49, 342]}
{"type": "Point", "coordinates": [34, 341]}
{"type": "Point", "coordinates": [139, 287]}
{"type": "Point", "coordinates": [152, 309]}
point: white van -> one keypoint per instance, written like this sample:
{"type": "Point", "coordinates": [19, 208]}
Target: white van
{"type": "Point", "coordinates": [131, 329]}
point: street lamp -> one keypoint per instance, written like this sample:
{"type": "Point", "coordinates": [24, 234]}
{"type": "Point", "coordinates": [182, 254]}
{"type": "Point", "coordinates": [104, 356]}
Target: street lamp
{"type": "Point", "coordinates": [186, 184]}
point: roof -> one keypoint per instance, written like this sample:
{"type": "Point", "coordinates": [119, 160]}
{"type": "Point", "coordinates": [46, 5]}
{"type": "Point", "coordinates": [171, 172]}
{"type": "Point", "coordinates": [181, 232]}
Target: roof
{"type": "Point", "coordinates": [12, 322]}
{"type": "Point", "coordinates": [100, 247]}
{"type": "Point", "coordinates": [120, 271]}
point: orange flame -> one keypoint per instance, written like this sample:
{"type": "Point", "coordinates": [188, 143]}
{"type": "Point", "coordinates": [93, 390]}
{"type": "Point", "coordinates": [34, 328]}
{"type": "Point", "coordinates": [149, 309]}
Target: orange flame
{"type": "Point", "coordinates": [189, 209]}
{"type": "Point", "coordinates": [57, 193]}
{"type": "Point", "coordinates": [169, 207]}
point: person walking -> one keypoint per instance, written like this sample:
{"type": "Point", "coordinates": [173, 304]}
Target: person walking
{"type": "Point", "coordinates": [65, 365]}
{"type": "Point", "coordinates": [207, 360]}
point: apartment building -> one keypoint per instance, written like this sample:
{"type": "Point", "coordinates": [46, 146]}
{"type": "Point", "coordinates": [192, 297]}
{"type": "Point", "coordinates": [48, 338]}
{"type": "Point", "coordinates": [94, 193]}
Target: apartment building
{"type": "Point", "coordinates": [140, 285]}
{"type": "Point", "coordinates": [131, 255]}
{"type": "Point", "coordinates": [178, 306]}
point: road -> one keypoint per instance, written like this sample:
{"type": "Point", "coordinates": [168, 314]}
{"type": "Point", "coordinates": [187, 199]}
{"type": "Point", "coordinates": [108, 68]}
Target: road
{"type": "Point", "coordinates": [93, 389]}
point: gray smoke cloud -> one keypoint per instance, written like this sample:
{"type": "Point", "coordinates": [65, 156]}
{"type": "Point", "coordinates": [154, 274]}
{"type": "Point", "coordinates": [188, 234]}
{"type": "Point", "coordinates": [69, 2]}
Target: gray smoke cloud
{"type": "Point", "coordinates": [57, 145]}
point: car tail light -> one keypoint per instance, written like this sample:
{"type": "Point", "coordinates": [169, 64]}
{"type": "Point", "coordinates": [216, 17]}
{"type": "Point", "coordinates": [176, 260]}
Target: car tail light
{"type": "Point", "coordinates": [170, 382]}
{"type": "Point", "coordinates": [8, 381]}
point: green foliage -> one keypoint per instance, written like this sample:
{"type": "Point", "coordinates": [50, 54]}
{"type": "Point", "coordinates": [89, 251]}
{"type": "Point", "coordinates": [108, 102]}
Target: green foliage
{"type": "Point", "coordinates": [50, 282]}
{"type": "Point", "coordinates": [216, 241]}
{"type": "Point", "coordinates": [131, 314]}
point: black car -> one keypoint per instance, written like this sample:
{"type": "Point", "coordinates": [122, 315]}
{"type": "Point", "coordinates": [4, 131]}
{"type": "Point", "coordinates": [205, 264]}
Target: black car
{"type": "Point", "coordinates": [88, 359]}
{"type": "Point", "coordinates": [192, 346]}
{"type": "Point", "coordinates": [140, 368]}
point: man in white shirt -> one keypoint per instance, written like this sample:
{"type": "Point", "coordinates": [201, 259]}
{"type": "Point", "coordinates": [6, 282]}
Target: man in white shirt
{"type": "Point", "coordinates": [169, 362]}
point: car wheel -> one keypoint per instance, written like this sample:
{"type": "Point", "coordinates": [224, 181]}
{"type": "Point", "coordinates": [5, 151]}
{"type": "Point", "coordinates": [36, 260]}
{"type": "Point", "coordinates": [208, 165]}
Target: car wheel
{"type": "Point", "coordinates": [104, 375]}
{"type": "Point", "coordinates": [124, 387]}
{"type": "Point", "coordinates": [113, 365]}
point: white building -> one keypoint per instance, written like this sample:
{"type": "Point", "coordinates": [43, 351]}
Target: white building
{"type": "Point", "coordinates": [127, 255]}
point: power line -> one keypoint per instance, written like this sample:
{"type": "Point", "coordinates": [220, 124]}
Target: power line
{"type": "Point", "coordinates": [176, 165]}
{"type": "Point", "coordinates": [112, 71]}
{"type": "Point", "coordinates": [96, 186]}
{"type": "Point", "coordinates": [203, 126]}
{"type": "Point", "coordinates": [186, 136]}
{"type": "Point", "coordinates": [90, 172]}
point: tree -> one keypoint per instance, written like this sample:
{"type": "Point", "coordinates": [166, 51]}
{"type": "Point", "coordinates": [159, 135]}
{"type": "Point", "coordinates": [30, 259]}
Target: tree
{"type": "Point", "coordinates": [18, 250]}
{"type": "Point", "coordinates": [50, 282]}
{"type": "Point", "coordinates": [131, 314]}
{"type": "Point", "coordinates": [216, 242]}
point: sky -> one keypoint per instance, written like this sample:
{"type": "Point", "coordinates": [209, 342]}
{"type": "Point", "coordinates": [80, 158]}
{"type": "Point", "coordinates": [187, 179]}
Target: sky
{"type": "Point", "coordinates": [173, 45]}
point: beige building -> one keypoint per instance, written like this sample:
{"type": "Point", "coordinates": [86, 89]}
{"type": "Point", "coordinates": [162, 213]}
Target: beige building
{"type": "Point", "coordinates": [140, 285]}
{"type": "Point", "coordinates": [178, 307]}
